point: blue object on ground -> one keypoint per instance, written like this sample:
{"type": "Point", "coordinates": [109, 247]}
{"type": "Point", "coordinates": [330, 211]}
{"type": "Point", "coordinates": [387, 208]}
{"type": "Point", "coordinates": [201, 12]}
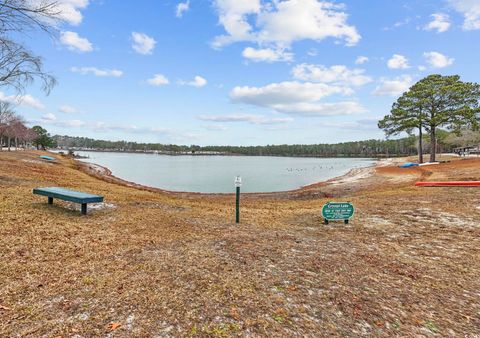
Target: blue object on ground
{"type": "Point", "coordinates": [408, 165]}
{"type": "Point", "coordinates": [48, 158]}
{"type": "Point", "coordinates": [68, 195]}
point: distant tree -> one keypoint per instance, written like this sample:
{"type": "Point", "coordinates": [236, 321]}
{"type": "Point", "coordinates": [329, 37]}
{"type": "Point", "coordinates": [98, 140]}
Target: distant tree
{"type": "Point", "coordinates": [465, 138]}
{"type": "Point", "coordinates": [7, 115]}
{"type": "Point", "coordinates": [19, 66]}
{"type": "Point", "coordinates": [15, 130]}
{"type": "Point", "coordinates": [12, 127]}
{"type": "Point", "coordinates": [24, 135]}
{"type": "Point", "coordinates": [42, 139]}
{"type": "Point", "coordinates": [433, 102]}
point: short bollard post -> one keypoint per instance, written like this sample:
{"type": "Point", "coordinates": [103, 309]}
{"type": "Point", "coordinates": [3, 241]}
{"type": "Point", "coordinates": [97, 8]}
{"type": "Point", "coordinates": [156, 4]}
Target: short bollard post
{"type": "Point", "coordinates": [50, 200]}
{"type": "Point", "coordinates": [238, 184]}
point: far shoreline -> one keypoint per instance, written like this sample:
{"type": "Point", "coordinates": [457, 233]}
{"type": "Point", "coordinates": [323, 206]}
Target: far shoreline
{"type": "Point", "coordinates": [152, 152]}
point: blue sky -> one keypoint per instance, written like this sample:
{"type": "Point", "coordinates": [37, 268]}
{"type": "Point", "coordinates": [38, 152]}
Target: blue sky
{"type": "Point", "coordinates": [243, 72]}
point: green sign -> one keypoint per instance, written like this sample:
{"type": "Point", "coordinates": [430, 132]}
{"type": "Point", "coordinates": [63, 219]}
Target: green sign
{"type": "Point", "coordinates": [334, 211]}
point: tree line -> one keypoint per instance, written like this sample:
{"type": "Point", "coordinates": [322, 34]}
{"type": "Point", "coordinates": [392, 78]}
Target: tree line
{"type": "Point", "coordinates": [369, 148]}
{"type": "Point", "coordinates": [446, 141]}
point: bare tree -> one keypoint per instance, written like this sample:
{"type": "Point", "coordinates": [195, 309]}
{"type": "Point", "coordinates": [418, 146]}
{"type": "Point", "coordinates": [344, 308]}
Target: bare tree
{"type": "Point", "coordinates": [15, 131]}
{"type": "Point", "coordinates": [28, 137]}
{"type": "Point", "coordinates": [13, 128]}
{"type": "Point", "coordinates": [19, 67]}
{"type": "Point", "coordinates": [7, 115]}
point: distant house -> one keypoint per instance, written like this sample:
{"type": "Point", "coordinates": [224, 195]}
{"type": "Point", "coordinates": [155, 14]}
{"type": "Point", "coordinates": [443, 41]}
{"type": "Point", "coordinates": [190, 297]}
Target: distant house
{"type": "Point", "coordinates": [467, 150]}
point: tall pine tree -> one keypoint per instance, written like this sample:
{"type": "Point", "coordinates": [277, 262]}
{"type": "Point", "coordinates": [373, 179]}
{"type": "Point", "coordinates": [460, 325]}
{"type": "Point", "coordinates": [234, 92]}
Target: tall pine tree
{"type": "Point", "coordinates": [434, 102]}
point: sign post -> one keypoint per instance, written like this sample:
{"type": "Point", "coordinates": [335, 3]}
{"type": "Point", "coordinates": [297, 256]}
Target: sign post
{"type": "Point", "coordinates": [238, 184]}
{"type": "Point", "coordinates": [338, 211]}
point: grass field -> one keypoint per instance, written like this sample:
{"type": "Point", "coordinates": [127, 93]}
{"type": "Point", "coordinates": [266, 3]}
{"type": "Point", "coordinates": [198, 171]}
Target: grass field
{"type": "Point", "coordinates": [157, 264]}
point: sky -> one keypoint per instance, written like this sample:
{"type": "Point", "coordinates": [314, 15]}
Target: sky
{"type": "Point", "coordinates": [247, 72]}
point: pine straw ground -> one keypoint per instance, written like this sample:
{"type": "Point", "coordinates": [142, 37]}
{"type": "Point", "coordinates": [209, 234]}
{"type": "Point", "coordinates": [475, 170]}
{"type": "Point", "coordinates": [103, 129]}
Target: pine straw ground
{"type": "Point", "coordinates": [153, 264]}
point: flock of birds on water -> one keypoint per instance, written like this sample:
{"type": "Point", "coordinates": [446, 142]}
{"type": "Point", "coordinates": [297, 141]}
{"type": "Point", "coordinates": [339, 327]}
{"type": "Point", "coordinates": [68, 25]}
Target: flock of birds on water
{"type": "Point", "coordinates": [321, 167]}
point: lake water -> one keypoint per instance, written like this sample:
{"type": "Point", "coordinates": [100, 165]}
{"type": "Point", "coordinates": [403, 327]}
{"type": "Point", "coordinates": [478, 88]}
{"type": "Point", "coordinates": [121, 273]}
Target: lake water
{"type": "Point", "coordinates": [216, 174]}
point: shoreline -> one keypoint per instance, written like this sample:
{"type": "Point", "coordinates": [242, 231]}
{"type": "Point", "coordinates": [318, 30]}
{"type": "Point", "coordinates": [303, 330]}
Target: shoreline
{"type": "Point", "coordinates": [354, 175]}
{"type": "Point", "coordinates": [173, 154]}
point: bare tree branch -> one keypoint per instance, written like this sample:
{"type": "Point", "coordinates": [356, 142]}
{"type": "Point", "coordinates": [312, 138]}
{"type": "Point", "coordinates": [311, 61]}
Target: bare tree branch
{"type": "Point", "coordinates": [19, 67]}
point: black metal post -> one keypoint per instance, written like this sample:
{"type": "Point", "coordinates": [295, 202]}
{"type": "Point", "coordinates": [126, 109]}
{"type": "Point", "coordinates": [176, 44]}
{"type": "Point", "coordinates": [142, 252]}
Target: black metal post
{"type": "Point", "coordinates": [50, 200]}
{"type": "Point", "coordinates": [84, 208]}
{"type": "Point", "coordinates": [237, 218]}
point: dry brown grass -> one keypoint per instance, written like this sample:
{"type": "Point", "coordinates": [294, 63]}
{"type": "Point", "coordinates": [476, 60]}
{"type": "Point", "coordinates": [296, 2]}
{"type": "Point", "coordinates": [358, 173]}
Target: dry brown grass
{"type": "Point", "coordinates": [160, 265]}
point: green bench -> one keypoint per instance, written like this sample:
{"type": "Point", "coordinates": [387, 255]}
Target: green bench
{"type": "Point", "coordinates": [68, 195]}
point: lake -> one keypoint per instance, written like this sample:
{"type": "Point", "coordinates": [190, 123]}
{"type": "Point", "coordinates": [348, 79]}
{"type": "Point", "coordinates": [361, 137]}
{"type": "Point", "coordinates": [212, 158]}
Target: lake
{"type": "Point", "coordinates": [216, 174]}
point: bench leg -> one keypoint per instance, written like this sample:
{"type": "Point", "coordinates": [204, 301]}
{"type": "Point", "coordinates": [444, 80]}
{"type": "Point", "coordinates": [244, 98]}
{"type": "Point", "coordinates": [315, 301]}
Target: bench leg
{"type": "Point", "coordinates": [50, 200]}
{"type": "Point", "coordinates": [84, 208]}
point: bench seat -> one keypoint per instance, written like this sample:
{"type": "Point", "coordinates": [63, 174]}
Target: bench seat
{"type": "Point", "coordinates": [68, 195]}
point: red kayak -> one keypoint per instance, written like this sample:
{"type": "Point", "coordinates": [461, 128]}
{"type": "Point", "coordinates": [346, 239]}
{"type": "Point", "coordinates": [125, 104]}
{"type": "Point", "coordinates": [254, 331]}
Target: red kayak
{"type": "Point", "coordinates": [449, 184]}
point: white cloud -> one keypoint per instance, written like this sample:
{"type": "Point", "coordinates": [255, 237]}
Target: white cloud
{"type": "Point", "coordinates": [52, 119]}
{"type": "Point", "coordinates": [438, 60]}
{"type": "Point", "coordinates": [440, 22]}
{"type": "Point", "coordinates": [337, 74]}
{"type": "Point", "coordinates": [49, 117]}
{"type": "Point", "coordinates": [368, 124]}
{"type": "Point", "coordinates": [285, 92]}
{"type": "Point", "coordinates": [158, 80]}
{"type": "Point", "coordinates": [297, 98]}
{"type": "Point", "coordinates": [197, 81]}
{"type": "Point", "coordinates": [393, 87]}
{"type": "Point", "coordinates": [361, 60]}
{"type": "Point", "coordinates": [66, 11]}
{"type": "Point", "coordinates": [282, 22]}
{"type": "Point", "coordinates": [72, 123]}
{"type": "Point", "coordinates": [398, 62]}
{"type": "Point", "coordinates": [422, 68]}
{"type": "Point", "coordinates": [470, 10]}
{"type": "Point", "coordinates": [75, 42]}
{"type": "Point", "coordinates": [182, 7]}
{"type": "Point", "coordinates": [216, 127]}
{"type": "Point", "coordinates": [31, 101]}
{"type": "Point", "coordinates": [97, 72]}
{"type": "Point", "coordinates": [142, 43]}
{"type": "Point", "coordinates": [322, 109]}
{"type": "Point", "coordinates": [266, 54]}
{"type": "Point", "coordinates": [398, 24]}
{"type": "Point", "coordinates": [24, 100]}
{"type": "Point", "coordinates": [70, 10]}
{"type": "Point", "coordinates": [67, 109]}
{"type": "Point", "coordinates": [401, 23]}
{"type": "Point", "coordinates": [233, 17]}
{"type": "Point", "coordinates": [249, 118]}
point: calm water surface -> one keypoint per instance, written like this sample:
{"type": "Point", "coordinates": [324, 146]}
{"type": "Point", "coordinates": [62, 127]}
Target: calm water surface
{"type": "Point", "coordinates": [216, 174]}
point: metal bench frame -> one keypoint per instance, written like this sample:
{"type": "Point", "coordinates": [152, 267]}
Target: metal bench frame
{"type": "Point", "coordinates": [68, 195]}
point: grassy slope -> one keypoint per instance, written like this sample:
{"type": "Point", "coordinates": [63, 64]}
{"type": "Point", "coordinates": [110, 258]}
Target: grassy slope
{"type": "Point", "coordinates": [173, 264]}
